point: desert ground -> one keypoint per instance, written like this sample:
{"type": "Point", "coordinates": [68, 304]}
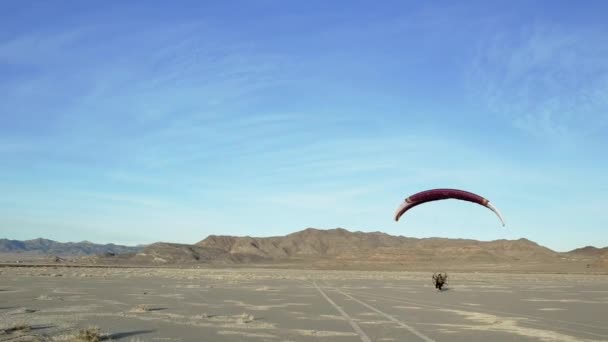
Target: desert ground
{"type": "Point", "coordinates": [131, 304]}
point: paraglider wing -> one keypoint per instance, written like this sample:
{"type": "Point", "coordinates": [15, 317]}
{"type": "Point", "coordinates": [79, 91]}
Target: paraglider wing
{"type": "Point", "coordinates": [442, 194]}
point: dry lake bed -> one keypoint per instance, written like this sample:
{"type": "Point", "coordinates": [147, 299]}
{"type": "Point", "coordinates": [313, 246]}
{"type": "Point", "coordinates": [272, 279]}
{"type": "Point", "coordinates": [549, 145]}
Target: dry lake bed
{"type": "Point", "coordinates": [56, 304]}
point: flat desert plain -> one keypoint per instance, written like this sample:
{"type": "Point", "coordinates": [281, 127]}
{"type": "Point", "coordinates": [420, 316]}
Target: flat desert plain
{"type": "Point", "coordinates": [130, 304]}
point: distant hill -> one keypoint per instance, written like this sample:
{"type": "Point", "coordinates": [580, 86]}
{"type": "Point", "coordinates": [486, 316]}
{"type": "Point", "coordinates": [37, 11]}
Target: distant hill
{"type": "Point", "coordinates": [307, 243]}
{"type": "Point", "coordinates": [342, 244]}
{"type": "Point", "coordinates": [593, 256]}
{"type": "Point", "coordinates": [50, 247]}
{"type": "Point", "coordinates": [588, 251]}
{"type": "Point", "coordinates": [601, 261]}
{"type": "Point", "coordinates": [175, 253]}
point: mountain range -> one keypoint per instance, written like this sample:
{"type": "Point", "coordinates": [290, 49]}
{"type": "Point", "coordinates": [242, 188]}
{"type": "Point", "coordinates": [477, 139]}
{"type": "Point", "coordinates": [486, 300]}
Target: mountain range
{"type": "Point", "coordinates": [326, 248]}
{"type": "Point", "coordinates": [49, 247]}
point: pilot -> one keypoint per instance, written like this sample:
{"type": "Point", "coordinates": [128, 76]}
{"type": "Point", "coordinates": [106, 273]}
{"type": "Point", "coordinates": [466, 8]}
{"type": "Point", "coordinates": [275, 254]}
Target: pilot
{"type": "Point", "coordinates": [439, 280]}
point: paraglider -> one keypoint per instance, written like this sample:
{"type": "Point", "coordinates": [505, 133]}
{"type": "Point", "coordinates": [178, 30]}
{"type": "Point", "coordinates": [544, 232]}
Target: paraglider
{"type": "Point", "coordinates": [442, 194]}
{"type": "Point", "coordinates": [440, 278]}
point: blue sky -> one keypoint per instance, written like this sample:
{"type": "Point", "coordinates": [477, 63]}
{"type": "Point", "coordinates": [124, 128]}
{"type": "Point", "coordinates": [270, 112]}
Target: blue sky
{"type": "Point", "coordinates": [141, 122]}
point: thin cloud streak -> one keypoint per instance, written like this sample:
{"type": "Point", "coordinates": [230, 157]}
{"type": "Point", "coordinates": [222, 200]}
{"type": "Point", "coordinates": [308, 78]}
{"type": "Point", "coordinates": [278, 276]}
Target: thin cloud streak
{"type": "Point", "coordinates": [547, 81]}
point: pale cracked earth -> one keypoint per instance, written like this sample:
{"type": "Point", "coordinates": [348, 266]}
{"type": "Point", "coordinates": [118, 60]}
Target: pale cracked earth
{"type": "Point", "coordinates": [53, 304]}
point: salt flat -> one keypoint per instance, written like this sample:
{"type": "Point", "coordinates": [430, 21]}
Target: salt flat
{"type": "Point", "coordinates": [52, 304]}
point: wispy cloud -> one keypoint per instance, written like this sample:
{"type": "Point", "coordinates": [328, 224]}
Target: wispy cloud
{"type": "Point", "coordinates": [548, 80]}
{"type": "Point", "coordinates": [177, 92]}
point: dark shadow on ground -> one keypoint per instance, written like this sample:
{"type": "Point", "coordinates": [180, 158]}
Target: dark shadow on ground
{"type": "Point", "coordinates": [126, 334]}
{"type": "Point", "coordinates": [42, 326]}
{"type": "Point", "coordinates": [20, 311]}
{"type": "Point", "coordinates": [24, 328]}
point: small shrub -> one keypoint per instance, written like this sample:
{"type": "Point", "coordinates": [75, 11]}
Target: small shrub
{"type": "Point", "coordinates": [90, 334]}
{"type": "Point", "coordinates": [141, 308]}
{"type": "Point", "coordinates": [245, 318]}
{"type": "Point", "coordinates": [204, 315]}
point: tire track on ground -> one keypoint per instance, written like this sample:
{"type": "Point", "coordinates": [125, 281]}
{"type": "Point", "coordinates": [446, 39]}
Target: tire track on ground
{"type": "Point", "coordinates": [389, 317]}
{"type": "Point", "coordinates": [493, 312]}
{"type": "Point", "coordinates": [352, 323]}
